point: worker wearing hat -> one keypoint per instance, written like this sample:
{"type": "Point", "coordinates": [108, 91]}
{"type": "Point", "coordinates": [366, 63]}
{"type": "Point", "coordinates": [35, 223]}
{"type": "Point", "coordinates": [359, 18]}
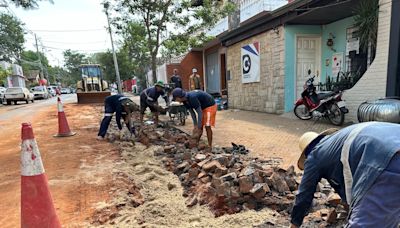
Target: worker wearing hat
{"type": "Point", "coordinates": [205, 107]}
{"type": "Point", "coordinates": [123, 108]}
{"type": "Point", "coordinates": [149, 99]}
{"type": "Point", "coordinates": [362, 163]}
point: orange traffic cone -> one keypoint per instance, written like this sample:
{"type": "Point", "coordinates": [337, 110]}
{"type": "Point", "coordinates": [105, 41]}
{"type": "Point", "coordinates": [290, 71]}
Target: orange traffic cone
{"type": "Point", "coordinates": [63, 128]}
{"type": "Point", "coordinates": [37, 208]}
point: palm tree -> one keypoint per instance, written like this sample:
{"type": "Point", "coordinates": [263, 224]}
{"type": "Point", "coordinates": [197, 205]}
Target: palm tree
{"type": "Point", "coordinates": [366, 19]}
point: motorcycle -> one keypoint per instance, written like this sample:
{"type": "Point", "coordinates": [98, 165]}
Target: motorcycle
{"type": "Point", "coordinates": [320, 105]}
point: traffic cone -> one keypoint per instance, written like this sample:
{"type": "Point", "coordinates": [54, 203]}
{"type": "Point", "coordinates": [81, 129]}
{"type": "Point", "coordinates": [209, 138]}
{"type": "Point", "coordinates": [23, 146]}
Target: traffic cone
{"type": "Point", "coordinates": [63, 128]}
{"type": "Point", "coordinates": [37, 209]}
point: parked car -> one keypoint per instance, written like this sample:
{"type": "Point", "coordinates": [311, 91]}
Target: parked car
{"type": "Point", "coordinates": [2, 91]}
{"type": "Point", "coordinates": [65, 91]}
{"type": "Point", "coordinates": [51, 91]}
{"type": "Point", "coordinates": [40, 92]}
{"type": "Point", "coordinates": [15, 94]}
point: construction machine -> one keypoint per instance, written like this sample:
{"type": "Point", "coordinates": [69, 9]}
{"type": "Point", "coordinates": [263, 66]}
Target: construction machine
{"type": "Point", "coordinates": [92, 88]}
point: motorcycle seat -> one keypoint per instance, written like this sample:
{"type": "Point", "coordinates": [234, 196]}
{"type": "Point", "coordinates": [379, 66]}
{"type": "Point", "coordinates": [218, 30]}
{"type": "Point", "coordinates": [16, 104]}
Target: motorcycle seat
{"type": "Point", "coordinates": [325, 95]}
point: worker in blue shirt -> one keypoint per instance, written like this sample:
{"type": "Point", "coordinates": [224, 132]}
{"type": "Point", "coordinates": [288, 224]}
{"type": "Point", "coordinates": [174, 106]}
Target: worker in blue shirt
{"type": "Point", "coordinates": [362, 164]}
{"type": "Point", "coordinates": [149, 99]}
{"type": "Point", "coordinates": [205, 107]}
{"type": "Point", "coordinates": [123, 107]}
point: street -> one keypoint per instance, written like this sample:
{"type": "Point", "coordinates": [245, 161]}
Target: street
{"type": "Point", "coordinates": [76, 180]}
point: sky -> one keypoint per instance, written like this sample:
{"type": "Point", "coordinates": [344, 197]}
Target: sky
{"type": "Point", "coordinates": [66, 24]}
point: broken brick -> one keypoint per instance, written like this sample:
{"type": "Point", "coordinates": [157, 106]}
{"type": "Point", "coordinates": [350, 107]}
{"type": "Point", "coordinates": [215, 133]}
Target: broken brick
{"type": "Point", "coordinates": [247, 171]}
{"type": "Point", "coordinates": [168, 149]}
{"type": "Point", "coordinates": [211, 166]}
{"type": "Point", "coordinates": [199, 157]}
{"type": "Point", "coordinates": [334, 199]}
{"type": "Point", "coordinates": [187, 155]}
{"type": "Point", "coordinates": [259, 190]}
{"type": "Point", "coordinates": [291, 182]}
{"type": "Point", "coordinates": [245, 184]}
{"type": "Point", "coordinates": [220, 171]}
{"type": "Point", "coordinates": [229, 177]}
{"type": "Point", "coordinates": [205, 179]}
{"type": "Point", "coordinates": [278, 183]}
{"type": "Point", "coordinates": [332, 216]}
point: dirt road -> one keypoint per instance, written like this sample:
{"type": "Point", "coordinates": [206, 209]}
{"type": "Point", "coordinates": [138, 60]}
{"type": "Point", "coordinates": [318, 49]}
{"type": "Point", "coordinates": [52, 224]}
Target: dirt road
{"type": "Point", "coordinates": [78, 168]}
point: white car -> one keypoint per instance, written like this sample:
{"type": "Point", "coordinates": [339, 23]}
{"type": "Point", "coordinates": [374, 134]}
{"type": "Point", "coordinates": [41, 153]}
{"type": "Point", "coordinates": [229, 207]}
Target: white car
{"type": "Point", "coordinates": [15, 94]}
{"type": "Point", "coordinates": [40, 92]}
{"type": "Point", "coordinates": [65, 91]}
{"type": "Point", "coordinates": [2, 91]}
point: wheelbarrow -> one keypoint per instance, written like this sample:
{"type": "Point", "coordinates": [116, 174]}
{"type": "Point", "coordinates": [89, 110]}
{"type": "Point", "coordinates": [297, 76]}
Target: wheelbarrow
{"type": "Point", "coordinates": [177, 111]}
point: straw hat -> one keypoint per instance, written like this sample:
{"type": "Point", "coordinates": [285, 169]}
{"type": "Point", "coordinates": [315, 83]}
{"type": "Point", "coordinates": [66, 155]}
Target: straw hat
{"type": "Point", "coordinates": [306, 139]}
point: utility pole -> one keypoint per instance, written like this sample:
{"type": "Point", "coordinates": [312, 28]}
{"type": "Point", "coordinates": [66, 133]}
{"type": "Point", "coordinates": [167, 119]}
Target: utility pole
{"type": "Point", "coordinates": [106, 5]}
{"type": "Point", "coordinates": [40, 61]}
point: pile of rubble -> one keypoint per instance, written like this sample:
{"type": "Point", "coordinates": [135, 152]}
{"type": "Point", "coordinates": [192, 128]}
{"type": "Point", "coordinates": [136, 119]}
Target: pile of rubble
{"type": "Point", "coordinates": [228, 180]}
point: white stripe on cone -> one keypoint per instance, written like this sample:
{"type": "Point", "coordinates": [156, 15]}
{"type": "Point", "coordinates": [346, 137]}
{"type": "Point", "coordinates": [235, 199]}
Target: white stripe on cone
{"type": "Point", "coordinates": [60, 106]}
{"type": "Point", "coordinates": [31, 161]}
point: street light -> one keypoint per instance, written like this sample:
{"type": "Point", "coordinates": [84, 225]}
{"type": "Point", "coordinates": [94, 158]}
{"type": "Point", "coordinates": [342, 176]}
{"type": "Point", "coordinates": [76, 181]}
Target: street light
{"type": "Point", "coordinates": [106, 6]}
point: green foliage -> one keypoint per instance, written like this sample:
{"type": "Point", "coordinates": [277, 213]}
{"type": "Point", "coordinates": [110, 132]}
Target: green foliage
{"type": "Point", "coordinates": [30, 61]}
{"type": "Point", "coordinates": [156, 15]}
{"type": "Point", "coordinates": [4, 73]}
{"type": "Point", "coordinates": [28, 4]}
{"type": "Point", "coordinates": [11, 37]}
{"type": "Point", "coordinates": [72, 60]}
{"type": "Point", "coordinates": [366, 20]}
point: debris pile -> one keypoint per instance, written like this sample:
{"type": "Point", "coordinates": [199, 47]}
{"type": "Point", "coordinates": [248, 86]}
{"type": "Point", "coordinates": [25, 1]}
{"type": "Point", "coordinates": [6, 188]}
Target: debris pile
{"type": "Point", "coordinates": [228, 180]}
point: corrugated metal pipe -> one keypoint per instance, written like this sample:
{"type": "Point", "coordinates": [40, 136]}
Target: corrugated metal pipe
{"type": "Point", "coordinates": [383, 110]}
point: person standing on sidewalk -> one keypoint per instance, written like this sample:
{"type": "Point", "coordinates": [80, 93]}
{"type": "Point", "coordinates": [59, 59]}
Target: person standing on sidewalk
{"type": "Point", "coordinates": [195, 81]}
{"type": "Point", "coordinates": [123, 107]}
{"type": "Point", "coordinates": [362, 163]}
{"type": "Point", "coordinates": [149, 99]}
{"type": "Point", "coordinates": [176, 79]}
{"type": "Point", "coordinates": [206, 109]}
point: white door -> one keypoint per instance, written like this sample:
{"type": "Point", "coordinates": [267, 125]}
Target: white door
{"type": "Point", "coordinates": [308, 57]}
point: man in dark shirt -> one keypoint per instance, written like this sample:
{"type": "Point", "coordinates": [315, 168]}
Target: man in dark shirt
{"type": "Point", "coordinates": [149, 99]}
{"type": "Point", "coordinates": [176, 79]}
{"type": "Point", "coordinates": [206, 109]}
{"type": "Point", "coordinates": [123, 107]}
{"type": "Point", "coordinates": [362, 163]}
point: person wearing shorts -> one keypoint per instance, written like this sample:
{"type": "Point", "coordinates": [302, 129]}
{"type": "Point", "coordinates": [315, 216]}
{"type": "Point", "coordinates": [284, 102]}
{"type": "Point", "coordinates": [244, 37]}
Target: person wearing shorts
{"type": "Point", "coordinates": [205, 107]}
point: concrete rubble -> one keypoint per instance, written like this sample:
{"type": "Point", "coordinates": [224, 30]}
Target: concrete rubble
{"type": "Point", "coordinates": [228, 180]}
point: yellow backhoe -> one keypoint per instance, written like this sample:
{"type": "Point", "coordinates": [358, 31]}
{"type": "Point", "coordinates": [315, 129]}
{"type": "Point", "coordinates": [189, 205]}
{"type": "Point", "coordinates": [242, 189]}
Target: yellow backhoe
{"type": "Point", "coordinates": [92, 88]}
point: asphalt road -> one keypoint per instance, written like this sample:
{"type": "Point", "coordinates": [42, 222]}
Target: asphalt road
{"type": "Point", "coordinates": [28, 110]}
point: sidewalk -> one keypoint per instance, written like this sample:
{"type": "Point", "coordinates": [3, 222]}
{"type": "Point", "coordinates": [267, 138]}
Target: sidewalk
{"type": "Point", "coordinates": [266, 135]}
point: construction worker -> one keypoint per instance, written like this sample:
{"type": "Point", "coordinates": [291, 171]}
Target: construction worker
{"type": "Point", "coordinates": [149, 99]}
{"type": "Point", "coordinates": [206, 109]}
{"type": "Point", "coordinates": [123, 108]}
{"type": "Point", "coordinates": [362, 164]}
{"type": "Point", "coordinates": [195, 80]}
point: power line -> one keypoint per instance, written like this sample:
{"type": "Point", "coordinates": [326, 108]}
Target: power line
{"type": "Point", "coordinates": [57, 42]}
{"type": "Point", "coordinates": [64, 49]}
{"type": "Point", "coordinates": [76, 30]}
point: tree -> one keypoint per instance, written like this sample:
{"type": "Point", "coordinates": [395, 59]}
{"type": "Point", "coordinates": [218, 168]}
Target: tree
{"type": "Point", "coordinates": [105, 59]}
{"type": "Point", "coordinates": [157, 15]}
{"type": "Point", "coordinates": [28, 4]}
{"type": "Point", "coordinates": [4, 73]}
{"type": "Point", "coordinates": [135, 44]}
{"type": "Point", "coordinates": [29, 61]}
{"type": "Point", "coordinates": [72, 61]}
{"type": "Point", "coordinates": [11, 37]}
{"type": "Point", "coordinates": [366, 19]}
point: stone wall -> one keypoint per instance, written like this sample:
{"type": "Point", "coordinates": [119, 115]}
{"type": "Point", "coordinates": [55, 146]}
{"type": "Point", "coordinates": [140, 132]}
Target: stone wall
{"type": "Point", "coordinates": [372, 85]}
{"type": "Point", "coordinates": [268, 94]}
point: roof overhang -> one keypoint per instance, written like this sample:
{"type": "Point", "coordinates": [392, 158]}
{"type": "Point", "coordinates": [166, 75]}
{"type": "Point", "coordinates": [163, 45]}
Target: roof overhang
{"type": "Point", "coordinates": [306, 12]}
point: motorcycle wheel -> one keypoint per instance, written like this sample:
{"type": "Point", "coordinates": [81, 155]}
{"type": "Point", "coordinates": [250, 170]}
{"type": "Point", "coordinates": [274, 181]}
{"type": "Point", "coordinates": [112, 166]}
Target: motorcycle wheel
{"type": "Point", "coordinates": [336, 116]}
{"type": "Point", "coordinates": [302, 112]}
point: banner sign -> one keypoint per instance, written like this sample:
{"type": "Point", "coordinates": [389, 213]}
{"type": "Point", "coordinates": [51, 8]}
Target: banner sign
{"type": "Point", "coordinates": [251, 63]}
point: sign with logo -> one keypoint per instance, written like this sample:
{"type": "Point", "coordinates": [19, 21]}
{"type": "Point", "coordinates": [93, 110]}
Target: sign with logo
{"type": "Point", "coordinates": [251, 63]}
{"type": "Point", "coordinates": [337, 63]}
